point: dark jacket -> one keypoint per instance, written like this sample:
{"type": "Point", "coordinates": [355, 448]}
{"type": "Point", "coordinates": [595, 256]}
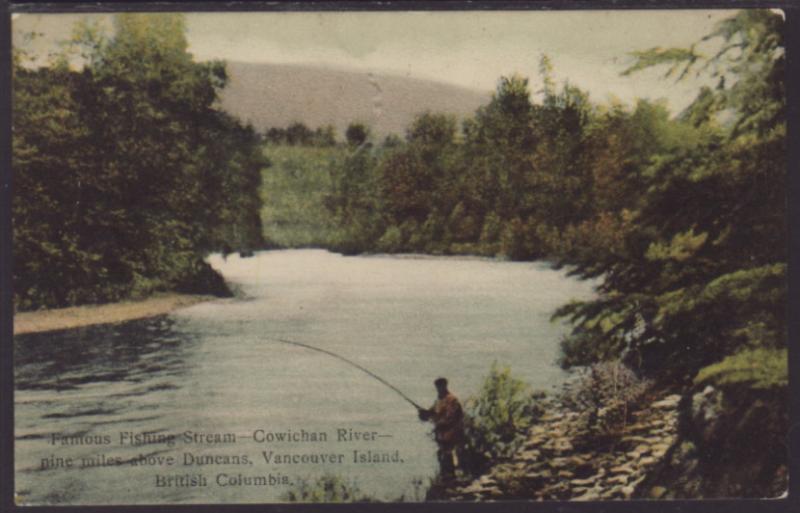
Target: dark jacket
{"type": "Point", "coordinates": [448, 420]}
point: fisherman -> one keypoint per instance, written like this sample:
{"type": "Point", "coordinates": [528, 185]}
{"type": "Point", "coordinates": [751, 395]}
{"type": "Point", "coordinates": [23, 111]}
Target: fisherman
{"type": "Point", "coordinates": [448, 421]}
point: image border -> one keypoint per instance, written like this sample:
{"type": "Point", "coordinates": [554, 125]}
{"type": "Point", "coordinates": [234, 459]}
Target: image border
{"type": "Point", "coordinates": [790, 503]}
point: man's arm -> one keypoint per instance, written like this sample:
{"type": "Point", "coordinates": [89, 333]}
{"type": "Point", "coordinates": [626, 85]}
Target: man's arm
{"type": "Point", "coordinates": [424, 414]}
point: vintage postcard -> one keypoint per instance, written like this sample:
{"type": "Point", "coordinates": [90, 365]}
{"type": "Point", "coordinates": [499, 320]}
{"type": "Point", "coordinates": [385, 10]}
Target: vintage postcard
{"type": "Point", "coordinates": [399, 256]}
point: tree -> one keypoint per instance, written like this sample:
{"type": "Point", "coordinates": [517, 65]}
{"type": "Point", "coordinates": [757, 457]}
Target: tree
{"type": "Point", "coordinates": [702, 270]}
{"type": "Point", "coordinates": [144, 182]}
{"type": "Point", "coordinates": [356, 134]}
{"type": "Point", "coordinates": [417, 176]}
{"type": "Point", "coordinates": [298, 134]}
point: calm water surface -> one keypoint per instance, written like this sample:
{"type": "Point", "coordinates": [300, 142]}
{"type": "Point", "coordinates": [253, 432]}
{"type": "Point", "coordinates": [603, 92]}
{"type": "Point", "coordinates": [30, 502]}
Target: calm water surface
{"type": "Point", "coordinates": [213, 369]}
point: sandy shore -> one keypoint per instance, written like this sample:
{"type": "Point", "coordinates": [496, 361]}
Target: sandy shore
{"type": "Point", "coordinates": [87, 315]}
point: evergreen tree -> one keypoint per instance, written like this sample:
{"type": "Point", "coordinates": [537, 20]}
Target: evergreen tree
{"type": "Point", "coordinates": [702, 271]}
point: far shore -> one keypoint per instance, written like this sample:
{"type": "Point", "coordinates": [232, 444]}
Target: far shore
{"type": "Point", "coordinates": [40, 321]}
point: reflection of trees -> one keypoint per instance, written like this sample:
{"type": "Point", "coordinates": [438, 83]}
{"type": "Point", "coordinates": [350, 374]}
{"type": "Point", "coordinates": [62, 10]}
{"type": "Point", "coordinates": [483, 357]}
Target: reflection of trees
{"type": "Point", "coordinates": [128, 351]}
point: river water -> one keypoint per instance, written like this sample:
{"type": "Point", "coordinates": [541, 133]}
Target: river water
{"type": "Point", "coordinates": [100, 411]}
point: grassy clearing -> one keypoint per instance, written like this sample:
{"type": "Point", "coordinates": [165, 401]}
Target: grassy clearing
{"type": "Point", "coordinates": [293, 193]}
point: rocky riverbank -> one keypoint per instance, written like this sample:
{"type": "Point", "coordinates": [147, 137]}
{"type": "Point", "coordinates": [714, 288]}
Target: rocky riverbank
{"type": "Point", "coordinates": [711, 442]}
{"type": "Point", "coordinates": [563, 459]}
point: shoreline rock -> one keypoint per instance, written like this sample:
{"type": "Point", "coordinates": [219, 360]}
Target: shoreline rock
{"type": "Point", "coordinates": [563, 460]}
{"type": "Point", "coordinates": [710, 442]}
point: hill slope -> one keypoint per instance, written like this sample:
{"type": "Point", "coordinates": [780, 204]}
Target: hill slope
{"type": "Point", "coordinates": [270, 95]}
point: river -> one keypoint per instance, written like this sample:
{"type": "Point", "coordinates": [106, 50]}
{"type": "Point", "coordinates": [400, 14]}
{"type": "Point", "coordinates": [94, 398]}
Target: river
{"type": "Point", "coordinates": [101, 410]}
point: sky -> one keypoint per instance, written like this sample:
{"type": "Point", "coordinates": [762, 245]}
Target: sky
{"type": "Point", "coordinates": [467, 48]}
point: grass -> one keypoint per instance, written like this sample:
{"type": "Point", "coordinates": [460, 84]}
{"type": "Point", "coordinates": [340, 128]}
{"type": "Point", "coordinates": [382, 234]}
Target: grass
{"type": "Point", "coordinates": [293, 193]}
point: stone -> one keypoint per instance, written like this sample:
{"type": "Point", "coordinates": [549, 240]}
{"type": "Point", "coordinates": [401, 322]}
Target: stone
{"type": "Point", "coordinates": [622, 469]}
{"type": "Point", "coordinates": [591, 495]}
{"type": "Point", "coordinates": [608, 493]}
{"type": "Point", "coordinates": [565, 474]}
{"type": "Point", "coordinates": [649, 460]}
{"type": "Point", "coordinates": [536, 440]}
{"type": "Point", "coordinates": [562, 444]}
{"type": "Point", "coordinates": [635, 439]}
{"type": "Point", "coordinates": [621, 479]}
{"type": "Point", "coordinates": [493, 491]}
{"type": "Point", "coordinates": [474, 487]}
{"type": "Point", "coordinates": [487, 479]}
{"type": "Point", "coordinates": [668, 403]}
{"type": "Point", "coordinates": [542, 474]}
{"type": "Point", "coordinates": [657, 492]}
{"type": "Point", "coordinates": [584, 482]}
{"type": "Point", "coordinates": [636, 482]}
{"type": "Point", "coordinates": [578, 460]}
{"type": "Point", "coordinates": [627, 491]}
{"type": "Point", "coordinates": [705, 411]}
{"type": "Point", "coordinates": [660, 449]}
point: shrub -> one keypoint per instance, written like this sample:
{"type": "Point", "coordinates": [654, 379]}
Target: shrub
{"type": "Point", "coordinates": [328, 488]}
{"type": "Point", "coordinates": [604, 393]}
{"type": "Point", "coordinates": [760, 368]}
{"type": "Point", "coordinates": [497, 420]}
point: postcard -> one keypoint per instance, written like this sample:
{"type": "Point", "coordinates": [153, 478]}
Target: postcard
{"type": "Point", "coordinates": [399, 256]}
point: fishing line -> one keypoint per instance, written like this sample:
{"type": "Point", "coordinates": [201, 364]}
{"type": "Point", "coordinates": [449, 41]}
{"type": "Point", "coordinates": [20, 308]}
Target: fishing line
{"type": "Point", "coordinates": [354, 364]}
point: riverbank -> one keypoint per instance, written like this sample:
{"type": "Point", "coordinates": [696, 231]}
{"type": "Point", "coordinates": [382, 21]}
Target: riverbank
{"type": "Point", "coordinates": [562, 459]}
{"type": "Point", "coordinates": [706, 443]}
{"type": "Point", "coordinates": [40, 321]}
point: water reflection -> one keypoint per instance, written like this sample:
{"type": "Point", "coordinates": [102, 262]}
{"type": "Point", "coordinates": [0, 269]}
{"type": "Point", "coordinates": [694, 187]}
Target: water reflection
{"type": "Point", "coordinates": [132, 351]}
{"type": "Point", "coordinates": [91, 382]}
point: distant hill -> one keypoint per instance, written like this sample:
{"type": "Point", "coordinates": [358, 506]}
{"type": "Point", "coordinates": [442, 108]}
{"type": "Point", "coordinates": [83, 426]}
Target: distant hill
{"type": "Point", "coordinates": [270, 95]}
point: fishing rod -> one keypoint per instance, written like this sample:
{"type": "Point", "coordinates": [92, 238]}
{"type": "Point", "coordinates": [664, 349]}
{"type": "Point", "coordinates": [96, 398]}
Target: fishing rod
{"type": "Point", "coordinates": [354, 364]}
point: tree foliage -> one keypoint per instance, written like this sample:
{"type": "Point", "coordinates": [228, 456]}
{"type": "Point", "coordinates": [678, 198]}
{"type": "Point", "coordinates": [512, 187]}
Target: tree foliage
{"type": "Point", "coordinates": [683, 217]}
{"type": "Point", "coordinates": [125, 172]}
{"type": "Point", "coordinates": [298, 134]}
{"type": "Point", "coordinates": [701, 271]}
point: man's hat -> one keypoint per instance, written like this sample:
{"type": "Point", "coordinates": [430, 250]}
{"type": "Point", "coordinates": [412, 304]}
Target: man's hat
{"type": "Point", "coordinates": [440, 382]}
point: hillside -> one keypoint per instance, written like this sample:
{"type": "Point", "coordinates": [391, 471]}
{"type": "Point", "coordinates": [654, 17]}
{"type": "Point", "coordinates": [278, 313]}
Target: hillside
{"type": "Point", "coordinates": [270, 95]}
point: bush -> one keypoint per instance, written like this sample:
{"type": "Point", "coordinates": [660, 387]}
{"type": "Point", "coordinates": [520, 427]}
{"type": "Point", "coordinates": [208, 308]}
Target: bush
{"type": "Point", "coordinates": [391, 241]}
{"type": "Point", "coordinates": [604, 394]}
{"type": "Point", "coordinates": [201, 278]}
{"type": "Point", "coordinates": [497, 420]}
{"type": "Point", "coordinates": [761, 368]}
{"type": "Point", "coordinates": [328, 488]}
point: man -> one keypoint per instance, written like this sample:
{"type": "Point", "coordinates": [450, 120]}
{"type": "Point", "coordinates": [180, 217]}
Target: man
{"type": "Point", "coordinates": [448, 427]}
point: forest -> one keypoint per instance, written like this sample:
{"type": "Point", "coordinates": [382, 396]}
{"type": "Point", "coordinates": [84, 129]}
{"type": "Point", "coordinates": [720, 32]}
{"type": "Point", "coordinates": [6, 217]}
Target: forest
{"type": "Point", "coordinates": [127, 176]}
